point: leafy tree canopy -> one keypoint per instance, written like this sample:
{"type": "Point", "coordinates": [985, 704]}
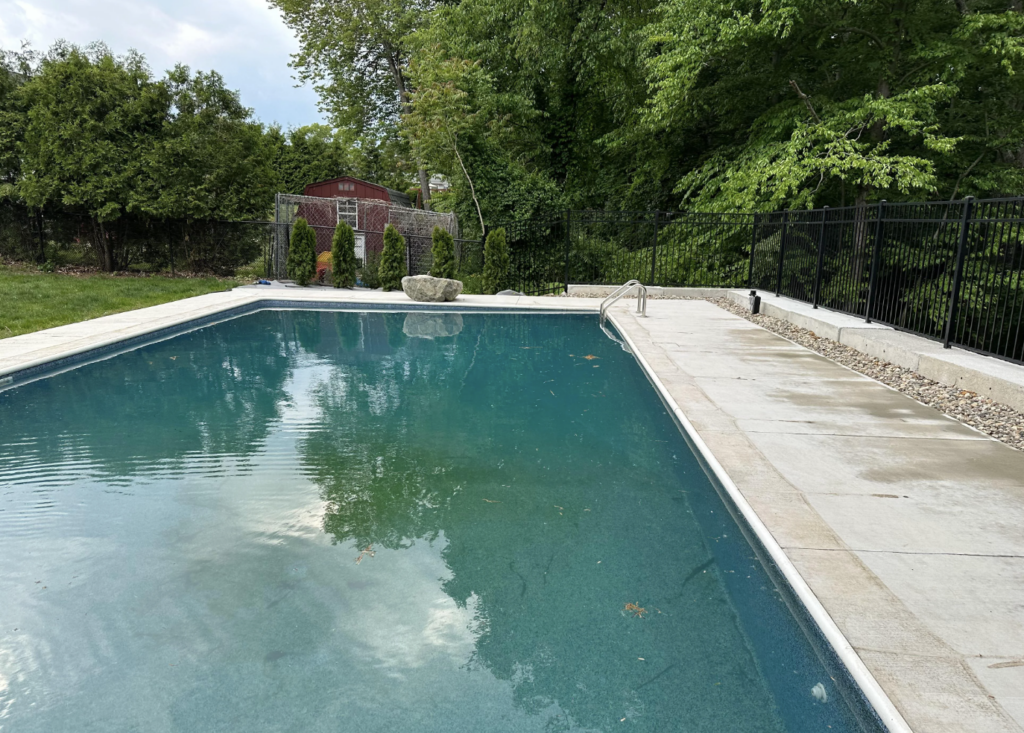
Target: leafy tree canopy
{"type": "Point", "coordinates": [717, 104]}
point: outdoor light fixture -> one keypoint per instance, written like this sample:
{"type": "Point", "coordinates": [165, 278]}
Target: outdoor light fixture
{"type": "Point", "coordinates": [755, 302]}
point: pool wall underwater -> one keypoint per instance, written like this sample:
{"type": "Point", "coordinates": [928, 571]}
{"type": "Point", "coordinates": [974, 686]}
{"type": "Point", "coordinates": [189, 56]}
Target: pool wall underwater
{"type": "Point", "coordinates": [820, 629]}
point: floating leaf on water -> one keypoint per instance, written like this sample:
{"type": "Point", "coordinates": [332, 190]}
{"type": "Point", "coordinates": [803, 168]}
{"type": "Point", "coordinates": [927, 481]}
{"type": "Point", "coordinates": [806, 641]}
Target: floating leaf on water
{"type": "Point", "coordinates": [636, 610]}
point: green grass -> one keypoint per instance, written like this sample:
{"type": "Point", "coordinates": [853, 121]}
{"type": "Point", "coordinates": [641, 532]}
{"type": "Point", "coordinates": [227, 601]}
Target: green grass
{"type": "Point", "coordinates": [31, 300]}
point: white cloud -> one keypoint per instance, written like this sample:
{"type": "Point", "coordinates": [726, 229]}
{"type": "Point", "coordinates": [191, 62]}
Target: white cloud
{"type": "Point", "coordinates": [244, 40]}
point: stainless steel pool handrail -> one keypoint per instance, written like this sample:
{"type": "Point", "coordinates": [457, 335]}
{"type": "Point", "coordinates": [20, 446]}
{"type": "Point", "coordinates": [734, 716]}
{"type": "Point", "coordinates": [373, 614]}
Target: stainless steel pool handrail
{"type": "Point", "coordinates": [620, 292]}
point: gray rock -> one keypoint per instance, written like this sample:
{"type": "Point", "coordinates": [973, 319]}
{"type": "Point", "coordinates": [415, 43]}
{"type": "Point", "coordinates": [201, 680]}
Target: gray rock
{"type": "Point", "coordinates": [432, 325]}
{"type": "Point", "coordinates": [510, 292]}
{"type": "Point", "coordinates": [429, 289]}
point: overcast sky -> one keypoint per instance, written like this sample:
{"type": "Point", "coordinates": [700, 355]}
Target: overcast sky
{"type": "Point", "coordinates": [244, 40]}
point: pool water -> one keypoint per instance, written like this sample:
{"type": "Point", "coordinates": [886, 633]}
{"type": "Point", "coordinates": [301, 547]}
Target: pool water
{"type": "Point", "coordinates": [337, 521]}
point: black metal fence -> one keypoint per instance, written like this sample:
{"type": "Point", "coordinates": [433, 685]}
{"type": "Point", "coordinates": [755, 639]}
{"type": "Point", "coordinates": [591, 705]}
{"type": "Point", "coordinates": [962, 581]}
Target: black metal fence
{"type": "Point", "coordinates": [611, 247]}
{"type": "Point", "coordinates": [952, 271]}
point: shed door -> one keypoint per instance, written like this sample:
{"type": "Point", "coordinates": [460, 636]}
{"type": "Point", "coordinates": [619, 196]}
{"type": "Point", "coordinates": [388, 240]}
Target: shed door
{"type": "Point", "coordinates": [360, 247]}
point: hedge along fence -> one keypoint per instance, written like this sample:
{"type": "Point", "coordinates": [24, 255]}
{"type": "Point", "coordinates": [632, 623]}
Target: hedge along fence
{"type": "Point", "coordinates": [193, 245]}
{"type": "Point", "coordinates": [952, 271]}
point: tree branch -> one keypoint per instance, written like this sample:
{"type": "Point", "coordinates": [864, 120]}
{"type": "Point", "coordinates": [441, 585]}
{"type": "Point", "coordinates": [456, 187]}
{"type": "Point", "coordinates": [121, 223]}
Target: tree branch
{"type": "Point", "coordinates": [469, 180]}
{"type": "Point", "coordinates": [964, 175]}
{"type": "Point", "coordinates": [805, 98]}
{"type": "Point", "coordinates": [863, 32]}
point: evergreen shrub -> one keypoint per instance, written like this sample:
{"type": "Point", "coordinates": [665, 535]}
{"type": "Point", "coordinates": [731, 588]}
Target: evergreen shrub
{"type": "Point", "coordinates": [343, 256]}
{"type": "Point", "coordinates": [443, 252]}
{"type": "Point", "coordinates": [496, 262]}
{"type": "Point", "coordinates": [302, 253]}
{"type": "Point", "coordinates": [392, 259]}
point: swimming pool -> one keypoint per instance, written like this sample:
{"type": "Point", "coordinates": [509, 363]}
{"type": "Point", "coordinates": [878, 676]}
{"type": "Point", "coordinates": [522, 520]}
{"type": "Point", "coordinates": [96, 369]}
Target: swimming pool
{"type": "Point", "coordinates": [378, 521]}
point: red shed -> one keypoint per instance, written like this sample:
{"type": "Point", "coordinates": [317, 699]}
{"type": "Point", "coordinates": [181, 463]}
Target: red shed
{"type": "Point", "coordinates": [348, 187]}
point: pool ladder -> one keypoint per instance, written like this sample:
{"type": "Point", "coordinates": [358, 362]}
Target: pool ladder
{"type": "Point", "coordinates": [620, 292]}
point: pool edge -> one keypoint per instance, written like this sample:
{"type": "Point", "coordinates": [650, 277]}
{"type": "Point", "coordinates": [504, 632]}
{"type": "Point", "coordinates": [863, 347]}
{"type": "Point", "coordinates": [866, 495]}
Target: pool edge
{"type": "Point", "coordinates": [883, 706]}
{"type": "Point", "coordinates": [117, 341]}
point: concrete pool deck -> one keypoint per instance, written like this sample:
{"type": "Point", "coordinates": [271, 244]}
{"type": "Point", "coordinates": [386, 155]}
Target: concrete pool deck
{"type": "Point", "coordinates": [905, 524]}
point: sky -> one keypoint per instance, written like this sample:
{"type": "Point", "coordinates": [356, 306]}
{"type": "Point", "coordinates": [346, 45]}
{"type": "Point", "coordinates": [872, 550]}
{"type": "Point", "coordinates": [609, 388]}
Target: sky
{"type": "Point", "coordinates": [244, 40]}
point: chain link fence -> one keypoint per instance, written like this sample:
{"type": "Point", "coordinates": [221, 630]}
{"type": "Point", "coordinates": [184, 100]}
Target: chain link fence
{"type": "Point", "coordinates": [368, 217]}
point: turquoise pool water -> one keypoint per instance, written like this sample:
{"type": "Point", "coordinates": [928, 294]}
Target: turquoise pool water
{"type": "Point", "coordinates": [333, 521]}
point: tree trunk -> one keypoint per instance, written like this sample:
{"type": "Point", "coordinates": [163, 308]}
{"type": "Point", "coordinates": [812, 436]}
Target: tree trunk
{"type": "Point", "coordinates": [108, 249]}
{"type": "Point", "coordinates": [103, 246]}
{"type": "Point", "coordinates": [42, 236]}
{"type": "Point", "coordinates": [403, 98]}
{"type": "Point", "coordinates": [425, 187]}
{"type": "Point", "coordinates": [860, 236]}
{"type": "Point", "coordinates": [469, 180]}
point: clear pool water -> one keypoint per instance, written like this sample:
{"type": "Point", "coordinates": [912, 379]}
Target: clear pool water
{"type": "Point", "coordinates": [334, 521]}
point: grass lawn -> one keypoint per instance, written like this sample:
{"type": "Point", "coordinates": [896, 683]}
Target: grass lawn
{"type": "Point", "coordinates": [31, 300]}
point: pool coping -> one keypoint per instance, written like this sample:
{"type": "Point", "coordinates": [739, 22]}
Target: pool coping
{"type": "Point", "coordinates": [871, 689]}
{"type": "Point", "coordinates": [102, 338]}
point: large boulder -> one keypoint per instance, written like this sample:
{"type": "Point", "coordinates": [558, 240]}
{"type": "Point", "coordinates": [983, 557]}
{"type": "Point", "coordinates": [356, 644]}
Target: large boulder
{"type": "Point", "coordinates": [429, 289]}
{"type": "Point", "coordinates": [432, 325]}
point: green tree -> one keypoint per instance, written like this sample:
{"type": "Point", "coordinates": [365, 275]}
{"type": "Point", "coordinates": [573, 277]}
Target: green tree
{"type": "Point", "coordinates": [343, 256]}
{"type": "Point", "coordinates": [210, 160]}
{"type": "Point", "coordinates": [442, 250]}
{"type": "Point", "coordinates": [392, 259]}
{"type": "Point", "coordinates": [90, 124]}
{"type": "Point", "coordinates": [717, 104]}
{"type": "Point", "coordinates": [302, 253]}
{"type": "Point", "coordinates": [313, 153]}
{"type": "Point", "coordinates": [496, 262]}
{"type": "Point", "coordinates": [16, 68]}
{"type": "Point", "coordinates": [148, 164]}
{"type": "Point", "coordinates": [356, 54]}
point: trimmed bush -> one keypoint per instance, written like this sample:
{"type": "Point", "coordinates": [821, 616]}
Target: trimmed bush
{"type": "Point", "coordinates": [443, 252]}
{"type": "Point", "coordinates": [392, 259]}
{"type": "Point", "coordinates": [343, 256]}
{"type": "Point", "coordinates": [302, 253]}
{"type": "Point", "coordinates": [496, 262]}
{"type": "Point", "coordinates": [370, 271]}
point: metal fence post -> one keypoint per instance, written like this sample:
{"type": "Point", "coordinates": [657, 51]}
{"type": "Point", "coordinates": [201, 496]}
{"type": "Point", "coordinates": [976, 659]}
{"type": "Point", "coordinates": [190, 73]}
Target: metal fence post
{"type": "Point", "coordinates": [873, 277]}
{"type": "Point", "coordinates": [821, 259]}
{"type": "Point", "coordinates": [961, 255]}
{"type": "Point", "coordinates": [654, 249]}
{"type": "Point", "coordinates": [568, 245]}
{"type": "Point", "coordinates": [271, 269]}
{"type": "Point", "coordinates": [782, 252]}
{"type": "Point", "coordinates": [753, 244]}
